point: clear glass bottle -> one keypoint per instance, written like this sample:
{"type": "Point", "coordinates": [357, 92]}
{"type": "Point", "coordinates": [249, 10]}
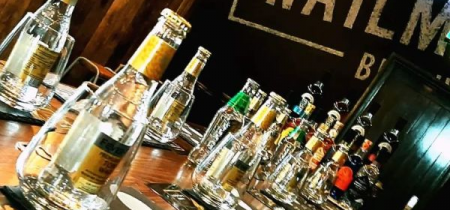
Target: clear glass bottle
{"type": "Point", "coordinates": [256, 102]}
{"type": "Point", "coordinates": [229, 119]}
{"type": "Point", "coordinates": [172, 103]}
{"type": "Point", "coordinates": [36, 52]}
{"type": "Point", "coordinates": [223, 177]}
{"type": "Point", "coordinates": [291, 173]}
{"type": "Point", "coordinates": [98, 147]}
{"type": "Point", "coordinates": [317, 187]}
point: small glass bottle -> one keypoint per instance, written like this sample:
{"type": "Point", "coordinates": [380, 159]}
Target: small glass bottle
{"type": "Point", "coordinates": [222, 178]}
{"type": "Point", "coordinates": [96, 152]}
{"type": "Point", "coordinates": [256, 102]}
{"type": "Point", "coordinates": [229, 119]}
{"type": "Point", "coordinates": [172, 103]}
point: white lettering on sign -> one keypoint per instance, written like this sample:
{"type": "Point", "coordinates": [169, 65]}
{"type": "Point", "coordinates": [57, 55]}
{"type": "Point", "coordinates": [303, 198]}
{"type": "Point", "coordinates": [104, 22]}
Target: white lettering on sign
{"type": "Point", "coordinates": [287, 4]}
{"type": "Point", "coordinates": [367, 62]}
{"type": "Point", "coordinates": [428, 28]}
{"type": "Point", "coordinates": [329, 8]}
{"type": "Point", "coordinates": [373, 28]}
{"type": "Point", "coordinates": [353, 13]}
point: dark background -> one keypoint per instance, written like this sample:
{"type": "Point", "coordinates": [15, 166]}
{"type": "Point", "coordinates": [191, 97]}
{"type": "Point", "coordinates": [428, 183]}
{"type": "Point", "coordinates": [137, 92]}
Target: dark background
{"type": "Point", "coordinates": [282, 65]}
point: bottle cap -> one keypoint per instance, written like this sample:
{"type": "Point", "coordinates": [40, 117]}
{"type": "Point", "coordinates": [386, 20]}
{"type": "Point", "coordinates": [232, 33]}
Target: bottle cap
{"type": "Point", "coordinates": [335, 114]}
{"type": "Point", "coordinates": [359, 129]}
{"type": "Point", "coordinates": [297, 110]}
{"type": "Point", "coordinates": [278, 98]}
{"type": "Point", "coordinates": [176, 19]}
{"type": "Point", "coordinates": [240, 102]}
{"type": "Point", "coordinates": [309, 97]}
{"type": "Point", "coordinates": [412, 201]}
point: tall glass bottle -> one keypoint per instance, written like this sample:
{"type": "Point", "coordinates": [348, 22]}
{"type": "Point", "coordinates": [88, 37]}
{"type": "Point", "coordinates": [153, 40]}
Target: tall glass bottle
{"type": "Point", "coordinates": [229, 119]}
{"type": "Point", "coordinates": [172, 103]}
{"type": "Point", "coordinates": [82, 173]}
{"type": "Point", "coordinates": [222, 178]}
{"type": "Point", "coordinates": [32, 58]}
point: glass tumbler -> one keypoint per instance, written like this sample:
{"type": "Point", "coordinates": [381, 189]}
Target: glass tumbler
{"type": "Point", "coordinates": [77, 161]}
{"type": "Point", "coordinates": [166, 120]}
{"type": "Point", "coordinates": [223, 177]}
{"type": "Point", "coordinates": [35, 57]}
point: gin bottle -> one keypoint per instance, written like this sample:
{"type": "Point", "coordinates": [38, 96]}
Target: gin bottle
{"type": "Point", "coordinates": [229, 119]}
{"type": "Point", "coordinates": [170, 106]}
{"type": "Point", "coordinates": [104, 130]}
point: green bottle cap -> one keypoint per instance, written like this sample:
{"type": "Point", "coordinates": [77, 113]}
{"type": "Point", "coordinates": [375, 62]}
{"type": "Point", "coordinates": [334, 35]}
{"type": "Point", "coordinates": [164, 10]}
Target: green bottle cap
{"type": "Point", "coordinates": [298, 134]}
{"type": "Point", "coordinates": [240, 102]}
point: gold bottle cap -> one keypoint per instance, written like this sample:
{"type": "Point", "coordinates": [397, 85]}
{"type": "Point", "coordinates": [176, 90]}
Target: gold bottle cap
{"type": "Point", "coordinates": [278, 98]}
{"type": "Point", "coordinates": [198, 62]}
{"type": "Point", "coordinates": [176, 19]}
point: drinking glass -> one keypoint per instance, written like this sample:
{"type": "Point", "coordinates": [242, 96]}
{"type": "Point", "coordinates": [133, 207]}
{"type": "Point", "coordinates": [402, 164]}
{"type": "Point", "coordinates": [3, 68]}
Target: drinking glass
{"type": "Point", "coordinates": [74, 163]}
{"type": "Point", "coordinates": [35, 57]}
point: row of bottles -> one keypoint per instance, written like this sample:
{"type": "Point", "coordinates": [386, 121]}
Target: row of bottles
{"type": "Point", "coordinates": [295, 155]}
{"type": "Point", "coordinates": [96, 150]}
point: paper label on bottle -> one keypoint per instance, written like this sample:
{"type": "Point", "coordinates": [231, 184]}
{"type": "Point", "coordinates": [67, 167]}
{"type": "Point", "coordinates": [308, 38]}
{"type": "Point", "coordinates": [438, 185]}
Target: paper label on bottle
{"type": "Point", "coordinates": [235, 175]}
{"type": "Point", "coordinates": [313, 143]}
{"type": "Point", "coordinates": [98, 164]}
{"type": "Point", "coordinates": [264, 117]}
{"type": "Point", "coordinates": [344, 178]}
{"type": "Point", "coordinates": [168, 109]}
{"type": "Point", "coordinates": [152, 57]}
{"type": "Point", "coordinates": [195, 67]}
{"type": "Point", "coordinates": [219, 163]}
{"type": "Point", "coordinates": [317, 157]}
{"type": "Point", "coordinates": [40, 63]}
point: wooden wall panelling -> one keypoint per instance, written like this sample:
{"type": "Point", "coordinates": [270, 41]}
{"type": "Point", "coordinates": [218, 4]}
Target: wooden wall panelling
{"type": "Point", "coordinates": [86, 18]}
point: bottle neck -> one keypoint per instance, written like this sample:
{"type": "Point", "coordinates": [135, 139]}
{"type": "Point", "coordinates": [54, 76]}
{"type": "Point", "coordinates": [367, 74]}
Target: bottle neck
{"type": "Point", "coordinates": [187, 81]}
{"type": "Point", "coordinates": [57, 14]}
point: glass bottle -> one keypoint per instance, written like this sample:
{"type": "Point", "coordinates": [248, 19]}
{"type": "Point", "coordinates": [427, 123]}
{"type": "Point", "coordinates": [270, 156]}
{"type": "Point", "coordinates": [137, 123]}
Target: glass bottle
{"type": "Point", "coordinates": [229, 119]}
{"type": "Point", "coordinates": [365, 120]}
{"type": "Point", "coordinates": [317, 187]}
{"type": "Point", "coordinates": [172, 103]}
{"type": "Point", "coordinates": [222, 178]}
{"type": "Point", "coordinates": [350, 168]}
{"type": "Point", "coordinates": [256, 102]}
{"type": "Point", "coordinates": [328, 141]}
{"type": "Point", "coordinates": [36, 52]}
{"type": "Point", "coordinates": [390, 137]}
{"type": "Point", "coordinates": [97, 149]}
{"type": "Point", "coordinates": [291, 173]}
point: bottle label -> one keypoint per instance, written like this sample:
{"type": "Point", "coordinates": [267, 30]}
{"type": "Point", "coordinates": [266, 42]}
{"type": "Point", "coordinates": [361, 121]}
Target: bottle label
{"type": "Point", "coordinates": [40, 63]}
{"type": "Point", "coordinates": [195, 67]}
{"type": "Point", "coordinates": [168, 109]}
{"type": "Point", "coordinates": [264, 117]}
{"type": "Point", "coordinates": [284, 134]}
{"type": "Point", "coordinates": [313, 143]}
{"type": "Point", "coordinates": [98, 164]}
{"type": "Point", "coordinates": [219, 163]}
{"type": "Point", "coordinates": [317, 157]}
{"type": "Point", "coordinates": [344, 178]}
{"type": "Point", "coordinates": [152, 57]}
{"type": "Point", "coordinates": [235, 175]}
{"type": "Point", "coordinates": [339, 157]}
